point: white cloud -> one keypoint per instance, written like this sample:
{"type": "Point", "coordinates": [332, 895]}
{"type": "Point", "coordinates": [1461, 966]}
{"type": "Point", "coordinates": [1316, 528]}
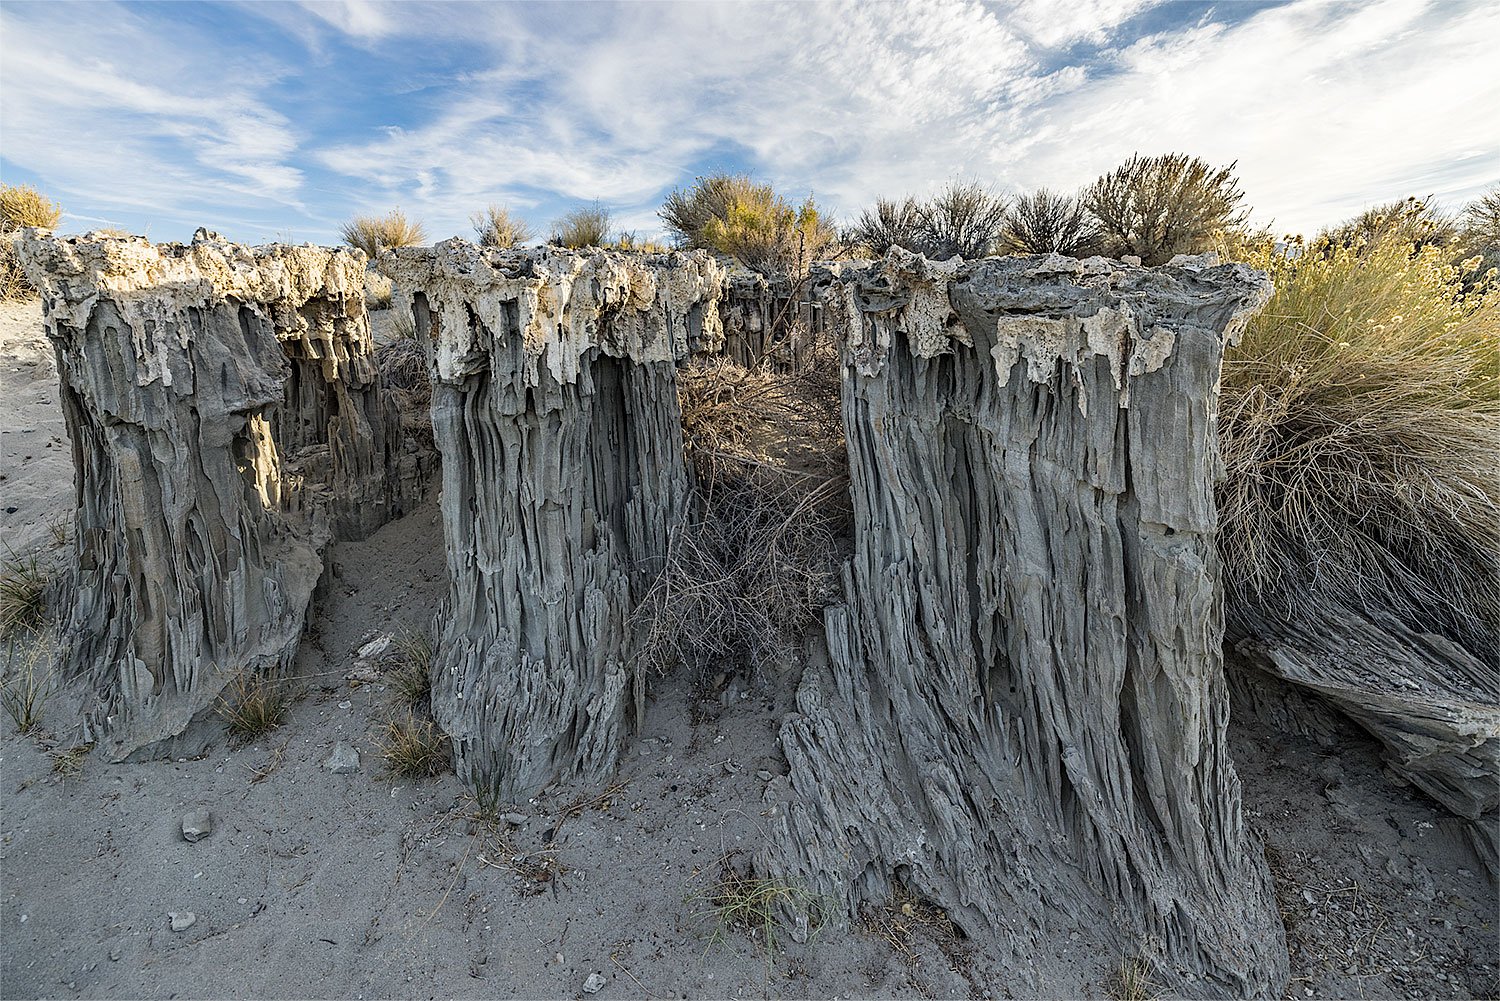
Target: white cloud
{"type": "Point", "coordinates": [105, 126]}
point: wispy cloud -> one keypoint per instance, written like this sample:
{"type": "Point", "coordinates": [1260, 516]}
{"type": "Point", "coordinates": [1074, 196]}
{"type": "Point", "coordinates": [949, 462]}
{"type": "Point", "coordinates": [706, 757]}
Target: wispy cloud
{"type": "Point", "coordinates": [296, 116]}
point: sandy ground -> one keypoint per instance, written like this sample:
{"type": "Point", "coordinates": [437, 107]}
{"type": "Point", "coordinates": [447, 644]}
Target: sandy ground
{"type": "Point", "coordinates": [314, 884]}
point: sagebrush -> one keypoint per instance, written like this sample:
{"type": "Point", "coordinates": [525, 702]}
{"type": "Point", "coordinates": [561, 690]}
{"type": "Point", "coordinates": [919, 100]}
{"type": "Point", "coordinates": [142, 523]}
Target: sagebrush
{"type": "Point", "coordinates": [1359, 422]}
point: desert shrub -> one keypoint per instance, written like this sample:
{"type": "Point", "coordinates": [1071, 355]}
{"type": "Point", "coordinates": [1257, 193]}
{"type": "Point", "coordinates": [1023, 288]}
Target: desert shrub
{"type": "Point", "coordinates": [374, 234]}
{"type": "Point", "coordinates": [583, 227]}
{"type": "Point", "coordinates": [1413, 222]}
{"type": "Point", "coordinates": [414, 747]}
{"type": "Point", "coordinates": [734, 215]}
{"type": "Point", "coordinates": [1359, 423]}
{"type": "Point", "coordinates": [1046, 222]}
{"type": "Point", "coordinates": [252, 705]}
{"type": "Point", "coordinates": [965, 219]}
{"type": "Point", "coordinates": [750, 573]}
{"type": "Point", "coordinates": [1155, 207]}
{"type": "Point", "coordinates": [1479, 229]}
{"type": "Point", "coordinates": [889, 224]}
{"type": "Point", "coordinates": [402, 362]}
{"type": "Point", "coordinates": [21, 205]}
{"type": "Point", "coordinates": [497, 227]}
{"type": "Point", "coordinates": [378, 291]}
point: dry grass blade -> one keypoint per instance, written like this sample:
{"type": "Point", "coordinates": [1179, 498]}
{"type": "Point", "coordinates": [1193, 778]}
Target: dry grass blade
{"type": "Point", "coordinates": [414, 747]}
{"type": "Point", "coordinates": [25, 582]}
{"type": "Point", "coordinates": [1132, 982]}
{"type": "Point", "coordinates": [68, 763]}
{"type": "Point", "coordinates": [27, 682]}
{"type": "Point", "coordinates": [740, 901]}
{"type": "Point", "coordinates": [411, 678]}
{"type": "Point", "coordinates": [252, 705]}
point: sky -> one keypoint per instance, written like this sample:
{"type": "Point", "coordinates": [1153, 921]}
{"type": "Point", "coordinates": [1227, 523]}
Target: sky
{"type": "Point", "coordinates": [267, 120]}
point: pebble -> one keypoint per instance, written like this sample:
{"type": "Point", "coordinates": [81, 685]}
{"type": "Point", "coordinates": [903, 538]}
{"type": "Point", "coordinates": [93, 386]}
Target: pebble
{"type": "Point", "coordinates": [594, 984]}
{"type": "Point", "coordinates": [182, 920]}
{"type": "Point", "coordinates": [345, 704]}
{"type": "Point", "coordinates": [515, 819]}
{"type": "Point", "coordinates": [344, 760]}
{"type": "Point", "coordinates": [763, 775]}
{"type": "Point", "coordinates": [197, 824]}
{"type": "Point", "coordinates": [731, 766]}
{"type": "Point", "coordinates": [115, 953]}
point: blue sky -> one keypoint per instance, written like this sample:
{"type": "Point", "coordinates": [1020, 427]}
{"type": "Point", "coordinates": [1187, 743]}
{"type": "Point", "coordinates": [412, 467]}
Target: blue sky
{"type": "Point", "coordinates": [279, 120]}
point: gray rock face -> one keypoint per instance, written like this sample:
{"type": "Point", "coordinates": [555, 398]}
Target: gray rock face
{"type": "Point", "coordinates": [1427, 700]}
{"type": "Point", "coordinates": [555, 410]}
{"type": "Point", "coordinates": [226, 422]}
{"type": "Point", "coordinates": [1022, 708]}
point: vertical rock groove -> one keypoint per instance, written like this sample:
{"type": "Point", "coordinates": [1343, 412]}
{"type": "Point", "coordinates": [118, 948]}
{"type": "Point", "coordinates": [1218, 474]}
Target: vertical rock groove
{"type": "Point", "coordinates": [1022, 709]}
{"type": "Point", "coordinates": [226, 422]}
{"type": "Point", "coordinates": [555, 411]}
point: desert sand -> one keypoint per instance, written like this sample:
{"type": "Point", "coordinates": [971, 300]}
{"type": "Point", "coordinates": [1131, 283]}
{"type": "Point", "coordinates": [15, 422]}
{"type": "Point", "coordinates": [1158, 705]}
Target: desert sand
{"type": "Point", "coordinates": [317, 884]}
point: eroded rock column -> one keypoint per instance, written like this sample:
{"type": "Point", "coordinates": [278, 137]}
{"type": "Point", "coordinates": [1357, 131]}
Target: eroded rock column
{"type": "Point", "coordinates": [226, 422]}
{"type": "Point", "coordinates": [1021, 714]}
{"type": "Point", "coordinates": [555, 411]}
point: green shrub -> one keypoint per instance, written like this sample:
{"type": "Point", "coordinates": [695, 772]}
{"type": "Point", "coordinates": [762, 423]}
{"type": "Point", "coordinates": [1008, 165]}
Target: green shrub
{"type": "Point", "coordinates": [1155, 207]}
{"type": "Point", "coordinates": [496, 227]}
{"type": "Point", "coordinates": [374, 234]}
{"type": "Point", "coordinates": [1359, 423]}
{"type": "Point", "coordinates": [583, 227]}
{"type": "Point", "coordinates": [734, 215]}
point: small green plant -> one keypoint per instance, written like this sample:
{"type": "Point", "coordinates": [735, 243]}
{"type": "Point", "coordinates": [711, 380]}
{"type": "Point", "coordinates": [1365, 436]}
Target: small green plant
{"type": "Point", "coordinates": [252, 705]}
{"type": "Point", "coordinates": [1155, 207]}
{"type": "Point", "coordinates": [1133, 982]}
{"type": "Point", "coordinates": [414, 747]}
{"type": "Point", "coordinates": [374, 234]}
{"type": "Point", "coordinates": [749, 221]}
{"type": "Point", "coordinates": [24, 584]}
{"type": "Point", "coordinates": [60, 528]}
{"type": "Point", "coordinates": [411, 679]}
{"type": "Point", "coordinates": [584, 227]}
{"type": "Point", "coordinates": [497, 227]}
{"type": "Point", "coordinates": [740, 901]}
{"type": "Point", "coordinates": [28, 682]}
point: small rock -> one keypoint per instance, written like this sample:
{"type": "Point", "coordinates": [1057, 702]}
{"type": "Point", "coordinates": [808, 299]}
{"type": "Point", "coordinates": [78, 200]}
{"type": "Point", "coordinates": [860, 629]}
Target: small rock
{"type": "Point", "coordinates": [763, 775]}
{"type": "Point", "coordinates": [115, 953]}
{"type": "Point", "coordinates": [197, 824]}
{"type": "Point", "coordinates": [515, 819]}
{"type": "Point", "coordinates": [344, 760]}
{"type": "Point", "coordinates": [731, 766]}
{"type": "Point", "coordinates": [594, 984]}
{"type": "Point", "coordinates": [375, 648]}
{"type": "Point", "coordinates": [363, 674]}
{"type": "Point", "coordinates": [1131, 260]}
{"type": "Point", "coordinates": [182, 920]}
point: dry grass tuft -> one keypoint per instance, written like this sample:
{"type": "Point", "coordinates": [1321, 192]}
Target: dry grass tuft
{"type": "Point", "coordinates": [739, 901]}
{"type": "Point", "coordinates": [583, 227]}
{"type": "Point", "coordinates": [374, 234]}
{"type": "Point", "coordinates": [378, 291]}
{"type": "Point", "coordinates": [253, 705]}
{"type": "Point", "coordinates": [1360, 426]}
{"type": "Point", "coordinates": [27, 682]}
{"type": "Point", "coordinates": [25, 583]}
{"type": "Point", "coordinates": [21, 205]}
{"type": "Point", "coordinates": [1132, 982]}
{"type": "Point", "coordinates": [411, 678]}
{"type": "Point", "coordinates": [403, 365]}
{"type": "Point", "coordinates": [414, 747]}
{"type": "Point", "coordinates": [497, 227]}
